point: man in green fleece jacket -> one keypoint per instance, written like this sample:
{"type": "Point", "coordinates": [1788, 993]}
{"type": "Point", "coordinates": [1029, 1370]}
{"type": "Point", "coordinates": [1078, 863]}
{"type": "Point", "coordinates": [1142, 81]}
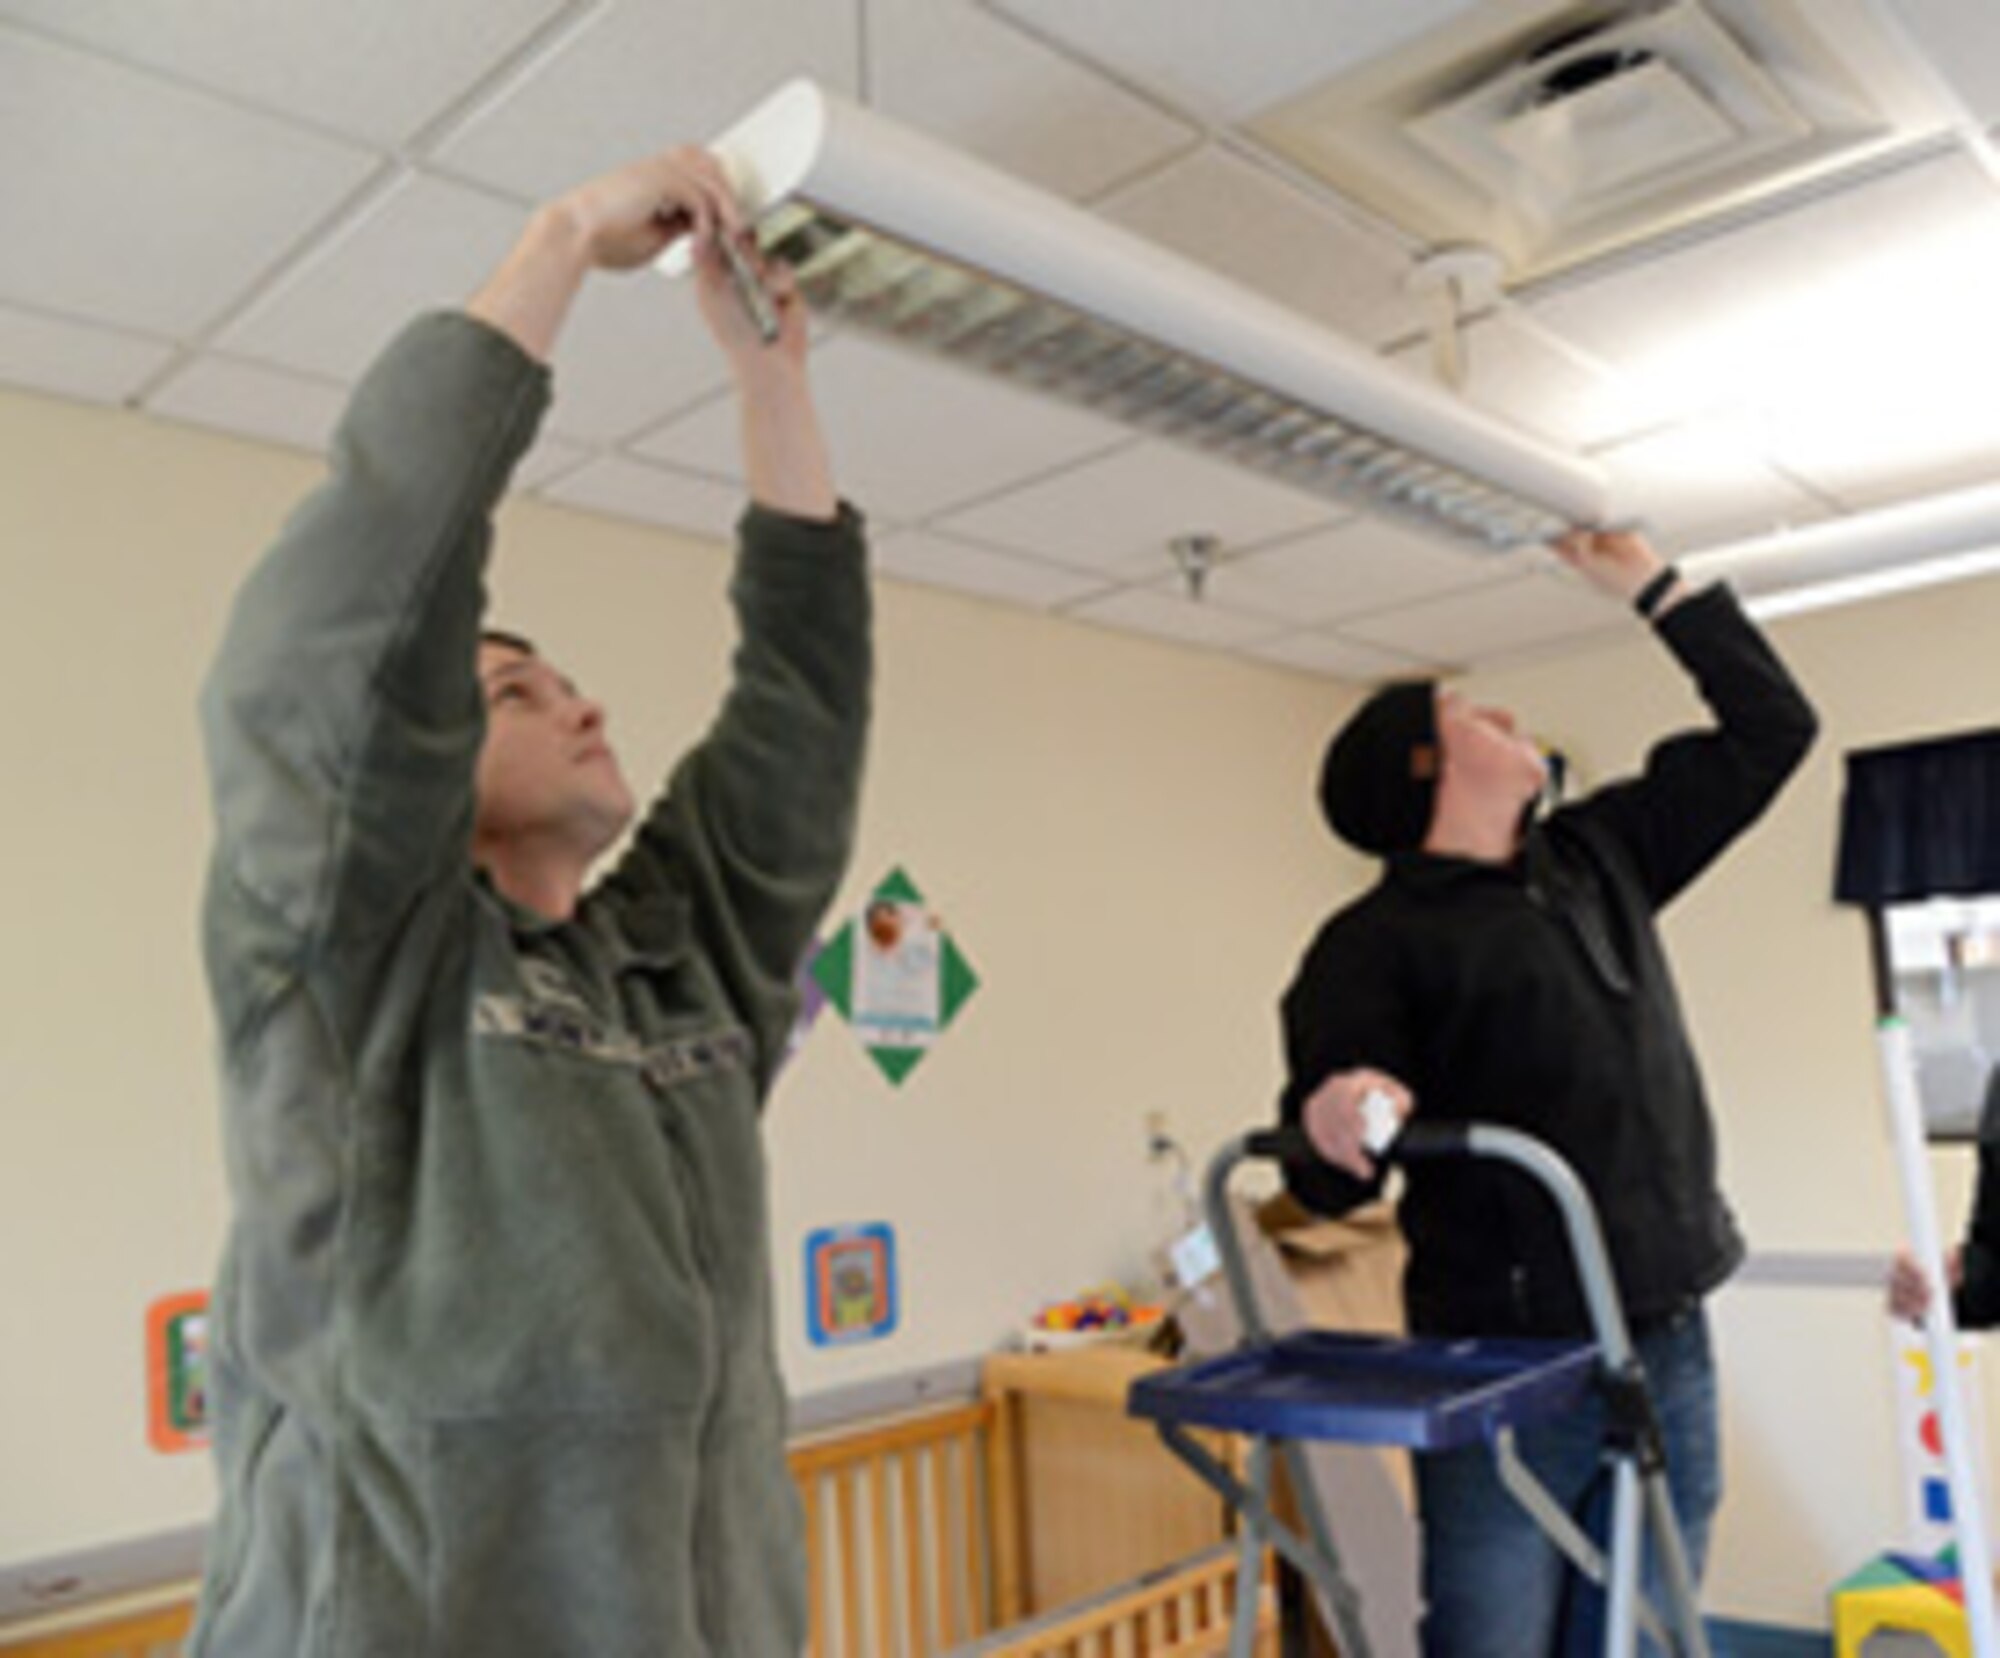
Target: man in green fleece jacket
{"type": "Point", "coordinates": [494, 1357]}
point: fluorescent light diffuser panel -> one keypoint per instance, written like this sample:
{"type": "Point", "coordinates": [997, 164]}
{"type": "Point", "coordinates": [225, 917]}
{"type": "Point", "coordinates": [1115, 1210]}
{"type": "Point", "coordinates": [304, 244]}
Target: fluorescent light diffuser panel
{"type": "Point", "coordinates": [894, 234]}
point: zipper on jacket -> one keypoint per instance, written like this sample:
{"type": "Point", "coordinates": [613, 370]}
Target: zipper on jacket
{"type": "Point", "coordinates": [703, 1263]}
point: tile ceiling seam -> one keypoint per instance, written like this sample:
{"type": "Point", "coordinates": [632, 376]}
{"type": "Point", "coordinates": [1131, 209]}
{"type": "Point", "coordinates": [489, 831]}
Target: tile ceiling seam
{"type": "Point", "coordinates": [1423, 601]}
{"type": "Point", "coordinates": [41, 311]}
{"type": "Point", "coordinates": [1067, 51]}
{"type": "Point", "coordinates": [1153, 584]}
{"type": "Point", "coordinates": [1336, 632]}
{"type": "Point", "coordinates": [201, 91]}
{"type": "Point", "coordinates": [502, 79]}
{"type": "Point", "coordinates": [301, 252]}
{"type": "Point", "coordinates": [993, 549]}
{"type": "Point", "coordinates": [1226, 139]}
{"type": "Point", "coordinates": [657, 426]}
{"type": "Point", "coordinates": [864, 53]}
{"type": "Point", "coordinates": [1197, 132]}
{"type": "Point", "coordinates": [1032, 480]}
{"type": "Point", "coordinates": [1979, 143]}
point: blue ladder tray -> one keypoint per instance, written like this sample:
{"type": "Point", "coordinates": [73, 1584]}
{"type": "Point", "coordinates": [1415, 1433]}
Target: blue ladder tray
{"type": "Point", "coordinates": [1424, 1392]}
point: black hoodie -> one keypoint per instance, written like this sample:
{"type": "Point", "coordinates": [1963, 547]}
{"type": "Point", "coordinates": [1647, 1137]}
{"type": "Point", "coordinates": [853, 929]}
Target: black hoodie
{"type": "Point", "coordinates": [1535, 994]}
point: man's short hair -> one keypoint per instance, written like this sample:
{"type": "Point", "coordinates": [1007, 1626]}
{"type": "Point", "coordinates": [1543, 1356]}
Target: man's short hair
{"type": "Point", "coordinates": [508, 641]}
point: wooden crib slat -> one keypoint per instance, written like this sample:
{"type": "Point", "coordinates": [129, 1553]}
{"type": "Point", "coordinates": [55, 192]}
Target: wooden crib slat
{"type": "Point", "coordinates": [1005, 1517]}
{"type": "Point", "coordinates": [850, 1567]}
{"type": "Point", "coordinates": [815, 1568]}
{"type": "Point", "coordinates": [969, 1534]}
{"type": "Point", "coordinates": [947, 1595]}
{"type": "Point", "coordinates": [881, 1545]}
{"type": "Point", "coordinates": [913, 1555]}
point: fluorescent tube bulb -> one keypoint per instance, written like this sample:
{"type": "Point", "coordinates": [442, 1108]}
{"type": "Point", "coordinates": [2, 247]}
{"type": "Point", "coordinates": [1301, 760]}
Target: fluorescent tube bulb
{"type": "Point", "coordinates": [1862, 556]}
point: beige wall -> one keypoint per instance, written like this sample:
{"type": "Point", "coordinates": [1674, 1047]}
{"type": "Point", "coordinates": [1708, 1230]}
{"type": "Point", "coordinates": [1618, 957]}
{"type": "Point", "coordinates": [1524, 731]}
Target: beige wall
{"type": "Point", "coordinates": [1116, 831]}
{"type": "Point", "coordinates": [1776, 983]}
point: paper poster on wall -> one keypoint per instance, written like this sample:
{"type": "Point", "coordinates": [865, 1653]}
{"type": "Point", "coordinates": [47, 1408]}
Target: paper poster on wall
{"type": "Point", "coordinates": [850, 1284]}
{"type": "Point", "coordinates": [896, 975]}
{"type": "Point", "coordinates": [177, 1372]}
{"type": "Point", "coordinates": [1926, 1484]}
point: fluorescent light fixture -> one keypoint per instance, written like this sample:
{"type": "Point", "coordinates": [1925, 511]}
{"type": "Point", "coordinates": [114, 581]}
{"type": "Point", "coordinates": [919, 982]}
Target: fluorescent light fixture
{"type": "Point", "coordinates": [896, 235]}
{"type": "Point", "coordinates": [1864, 556]}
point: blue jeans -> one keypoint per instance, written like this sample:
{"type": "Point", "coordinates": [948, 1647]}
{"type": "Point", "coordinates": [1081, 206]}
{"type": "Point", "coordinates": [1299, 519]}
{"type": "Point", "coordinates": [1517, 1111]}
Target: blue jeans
{"type": "Point", "coordinates": [1494, 1585]}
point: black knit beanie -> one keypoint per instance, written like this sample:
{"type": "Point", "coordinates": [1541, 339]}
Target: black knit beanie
{"type": "Point", "coordinates": [1379, 778]}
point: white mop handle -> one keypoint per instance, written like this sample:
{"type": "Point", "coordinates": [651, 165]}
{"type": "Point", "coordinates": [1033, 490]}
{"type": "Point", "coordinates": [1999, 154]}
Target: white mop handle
{"type": "Point", "coordinates": [1975, 1559]}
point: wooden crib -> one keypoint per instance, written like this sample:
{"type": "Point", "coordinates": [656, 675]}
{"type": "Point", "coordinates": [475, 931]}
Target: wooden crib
{"type": "Point", "coordinates": [920, 1541]}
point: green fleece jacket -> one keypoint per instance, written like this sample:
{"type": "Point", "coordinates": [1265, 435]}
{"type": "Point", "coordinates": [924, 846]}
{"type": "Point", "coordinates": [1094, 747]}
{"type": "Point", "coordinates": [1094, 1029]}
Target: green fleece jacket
{"type": "Point", "coordinates": [494, 1369]}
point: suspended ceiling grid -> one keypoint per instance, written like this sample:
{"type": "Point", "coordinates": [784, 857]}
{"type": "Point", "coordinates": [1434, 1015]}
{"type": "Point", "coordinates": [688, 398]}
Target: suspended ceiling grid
{"type": "Point", "coordinates": [215, 213]}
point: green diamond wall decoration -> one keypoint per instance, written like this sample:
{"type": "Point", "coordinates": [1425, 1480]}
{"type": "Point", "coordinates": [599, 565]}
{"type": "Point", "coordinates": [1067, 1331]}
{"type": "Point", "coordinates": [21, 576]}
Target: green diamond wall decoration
{"type": "Point", "coordinates": [895, 975]}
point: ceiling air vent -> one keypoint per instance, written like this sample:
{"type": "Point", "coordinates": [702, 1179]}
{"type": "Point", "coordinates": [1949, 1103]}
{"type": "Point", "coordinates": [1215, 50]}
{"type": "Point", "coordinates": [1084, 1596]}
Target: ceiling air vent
{"type": "Point", "coordinates": [1572, 130]}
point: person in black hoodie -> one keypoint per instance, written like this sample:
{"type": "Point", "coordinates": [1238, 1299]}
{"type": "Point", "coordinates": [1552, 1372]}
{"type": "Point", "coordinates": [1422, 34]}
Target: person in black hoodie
{"type": "Point", "coordinates": [1510, 971]}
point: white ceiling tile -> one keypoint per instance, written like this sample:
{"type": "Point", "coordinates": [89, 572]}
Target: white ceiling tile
{"type": "Point", "coordinates": [423, 244]}
{"type": "Point", "coordinates": [1536, 609]}
{"type": "Point", "coordinates": [952, 70]}
{"type": "Point", "coordinates": [1516, 371]}
{"type": "Point", "coordinates": [1857, 334]}
{"type": "Point", "coordinates": [644, 76]}
{"type": "Point", "coordinates": [651, 495]}
{"type": "Point", "coordinates": [705, 438]}
{"type": "Point", "coordinates": [1254, 228]}
{"type": "Point", "coordinates": [1740, 320]}
{"type": "Point", "coordinates": [633, 351]}
{"type": "Point", "coordinates": [132, 202]}
{"type": "Point", "coordinates": [253, 402]}
{"type": "Point", "coordinates": [1703, 483]}
{"type": "Point", "coordinates": [939, 561]}
{"type": "Point", "coordinates": [909, 435]}
{"type": "Point", "coordinates": [1905, 427]}
{"type": "Point", "coordinates": [1890, 472]}
{"type": "Point", "coordinates": [1167, 612]}
{"type": "Point", "coordinates": [1118, 513]}
{"type": "Point", "coordinates": [1223, 63]}
{"type": "Point", "coordinates": [1330, 654]}
{"type": "Point", "coordinates": [1961, 38]}
{"type": "Point", "coordinates": [1350, 569]}
{"type": "Point", "coordinates": [378, 72]}
{"type": "Point", "coordinates": [70, 360]}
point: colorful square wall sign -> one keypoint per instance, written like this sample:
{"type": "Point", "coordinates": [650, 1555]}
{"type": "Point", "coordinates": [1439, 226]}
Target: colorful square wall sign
{"type": "Point", "coordinates": [177, 1372]}
{"type": "Point", "coordinates": [896, 976]}
{"type": "Point", "coordinates": [850, 1284]}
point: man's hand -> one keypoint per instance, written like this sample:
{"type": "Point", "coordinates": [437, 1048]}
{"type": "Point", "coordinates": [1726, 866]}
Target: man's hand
{"type": "Point", "coordinates": [723, 310]}
{"type": "Point", "coordinates": [627, 218]}
{"type": "Point", "coordinates": [616, 222]}
{"type": "Point", "coordinates": [1336, 1123]}
{"type": "Point", "coordinates": [1617, 562]}
{"type": "Point", "coordinates": [1910, 1289]}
